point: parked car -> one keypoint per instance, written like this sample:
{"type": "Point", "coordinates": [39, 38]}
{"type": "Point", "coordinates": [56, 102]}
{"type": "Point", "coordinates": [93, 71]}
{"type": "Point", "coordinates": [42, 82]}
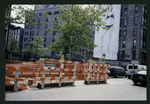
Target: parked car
{"type": "Point", "coordinates": [133, 69]}
{"type": "Point", "coordinates": [139, 77]}
{"type": "Point", "coordinates": [116, 71]}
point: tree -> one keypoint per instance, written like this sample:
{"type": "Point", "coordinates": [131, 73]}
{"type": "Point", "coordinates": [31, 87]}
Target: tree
{"type": "Point", "coordinates": [14, 47]}
{"type": "Point", "coordinates": [77, 25]}
{"type": "Point", "coordinates": [35, 49]}
{"type": "Point", "coordinates": [24, 15]}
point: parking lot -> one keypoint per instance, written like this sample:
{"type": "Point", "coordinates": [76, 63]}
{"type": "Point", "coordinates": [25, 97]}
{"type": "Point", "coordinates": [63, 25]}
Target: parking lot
{"type": "Point", "coordinates": [116, 89]}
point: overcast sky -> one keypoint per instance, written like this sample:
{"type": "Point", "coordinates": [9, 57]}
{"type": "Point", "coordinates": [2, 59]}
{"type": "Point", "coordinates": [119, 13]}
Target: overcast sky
{"type": "Point", "coordinates": [13, 13]}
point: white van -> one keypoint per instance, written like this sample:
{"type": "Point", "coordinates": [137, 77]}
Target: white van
{"type": "Point", "coordinates": [134, 68]}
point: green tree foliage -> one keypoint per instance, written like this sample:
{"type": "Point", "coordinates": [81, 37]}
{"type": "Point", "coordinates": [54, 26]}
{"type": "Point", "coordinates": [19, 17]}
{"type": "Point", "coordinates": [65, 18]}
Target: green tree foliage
{"type": "Point", "coordinates": [35, 49]}
{"type": "Point", "coordinates": [77, 26]}
{"type": "Point", "coordinates": [24, 15]}
{"type": "Point", "coordinates": [14, 47]}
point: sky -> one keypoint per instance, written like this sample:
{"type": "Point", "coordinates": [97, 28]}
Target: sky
{"type": "Point", "coordinates": [13, 13]}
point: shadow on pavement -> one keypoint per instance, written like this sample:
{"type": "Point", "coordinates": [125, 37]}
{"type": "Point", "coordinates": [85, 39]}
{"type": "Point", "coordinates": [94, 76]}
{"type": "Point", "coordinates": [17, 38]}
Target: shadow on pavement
{"type": "Point", "coordinates": [120, 77]}
{"type": "Point", "coordinates": [140, 85]}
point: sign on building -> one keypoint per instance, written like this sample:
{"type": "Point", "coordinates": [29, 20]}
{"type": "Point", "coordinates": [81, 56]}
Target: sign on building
{"type": "Point", "coordinates": [107, 40]}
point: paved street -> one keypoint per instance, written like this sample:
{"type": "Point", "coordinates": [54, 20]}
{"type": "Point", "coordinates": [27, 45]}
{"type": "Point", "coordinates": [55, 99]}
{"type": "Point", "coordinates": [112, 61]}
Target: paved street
{"type": "Point", "coordinates": [116, 89]}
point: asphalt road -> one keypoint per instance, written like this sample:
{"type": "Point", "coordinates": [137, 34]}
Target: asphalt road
{"type": "Point", "coordinates": [115, 89]}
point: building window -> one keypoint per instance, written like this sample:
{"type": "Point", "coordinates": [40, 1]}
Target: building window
{"type": "Point", "coordinates": [44, 39]}
{"type": "Point", "coordinates": [33, 20]}
{"type": "Point", "coordinates": [134, 54]}
{"type": "Point", "coordinates": [39, 20]}
{"type": "Point", "coordinates": [136, 20]}
{"type": "Point", "coordinates": [125, 22]}
{"type": "Point", "coordinates": [40, 14]}
{"type": "Point", "coordinates": [82, 50]}
{"type": "Point", "coordinates": [144, 39]}
{"type": "Point", "coordinates": [46, 6]}
{"type": "Point", "coordinates": [136, 8]}
{"type": "Point", "coordinates": [120, 32]}
{"type": "Point", "coordinates": [56, 12]}
{"type": "Point", "coordinates": [45, 33]}
{"type": "Point", "coordinates": [125, 32]}
{"type": "Point", "coordinates": [144, 21]}
{"type": "Point", "coordinates": [37, 32]}
{"type": "Point", "coordinates": [134, 42]}
{"type": "Point", "coordinates": [30, 39]}
{"type": "Point", "coordinates": [49, 13]}
{"type": "Point", "coordinates": [121, 12]}
{"type": "Point", "coordinates": [144, 45]}
{"type": "Point", "coordinates": [125, 11]}
{"type": "Point", "coordinates": [123, 54]}
{"type": "Point", "coordinates": [54, 33]}
{"type": "Point", "coordinates": [53, 40]}
{"type": "Point", "coordinates": [25, 39]}
{"type": "Point", "coordinates": [123, 44]}
{"type": "Point", "coordinates": [135, 31]}
{"type": "Point", "coordinates": [30, 32]}
{"type": "Point", "coordinates": [46, 26]}
{"type": "Point", "coordinates": [144, 33]}
{"type": "Point", "coordinates": [44, 45]}
{"type": "Point", "coordinates": [55, 19]}
{"type": "Point", "coordinates": [46, 20]}
{"type": "Point", "coordinates": [37, 26]}
{"type": "Point", "coordinates": [27, 32]}
{"type": "Point", "coordinates": [119, 53]}
{"type": "Point", "coordinates": [25, 45]}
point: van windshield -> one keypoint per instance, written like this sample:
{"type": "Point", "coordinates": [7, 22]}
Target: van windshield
{"type": "Point", "coordinates": [130, 67]}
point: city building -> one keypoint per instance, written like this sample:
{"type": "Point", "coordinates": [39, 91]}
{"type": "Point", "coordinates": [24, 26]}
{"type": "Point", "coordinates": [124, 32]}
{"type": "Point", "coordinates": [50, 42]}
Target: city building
{"type": "Point", "coordinates": [17, 34]}
{"type": "Point", "coordinates": [8, 32]}
{"type": "Point", "coordinates": [31, 31]}
{"type": "Point", "coordinates": [132, 34]}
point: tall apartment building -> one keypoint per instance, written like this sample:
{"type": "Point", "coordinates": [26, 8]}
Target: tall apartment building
{"type": "Point", "coordinates": [17, 34]}
{"type": "Point", "coordinates": [30, 31]}
{"type": "Point", "coordinates": [8, 32]}
{"type": "Point", "coordinates": [133, 33]}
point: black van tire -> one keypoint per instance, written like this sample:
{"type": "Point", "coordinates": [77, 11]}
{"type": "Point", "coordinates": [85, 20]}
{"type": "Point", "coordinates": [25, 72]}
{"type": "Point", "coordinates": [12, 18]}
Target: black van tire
{"type": "Point", "coordinates": [135, 82]}
{"type": "Point", "coordinates": [116, 76]}
{"type": "Point", "coordinates": [129, 77]}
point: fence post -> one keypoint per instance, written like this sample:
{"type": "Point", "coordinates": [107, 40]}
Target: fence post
{"type": "Point", "coordinates": [74, 74]}
{"type": "Point", "coordinates": [84, 71]}
{"type": "Point", "coordinates": [89, 73]}
{"type": "Point", "coordinates": [61, 67]}
{"type": "Point", "coordinates": [16, 76]}
{"type": "Point", "coordinates": [106, 75]}
{"type": "Point", "coordinates": [42, 85]}
{"type": "Point", "coordinates": [98, 74]}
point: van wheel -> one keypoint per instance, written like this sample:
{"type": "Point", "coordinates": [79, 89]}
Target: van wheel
{"type": "Point", "coordinates": [135, 82]}
{"type": "Point", "coordinates": [129, 77]}
{"type": "Point", "coordinates": [116, 76]}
